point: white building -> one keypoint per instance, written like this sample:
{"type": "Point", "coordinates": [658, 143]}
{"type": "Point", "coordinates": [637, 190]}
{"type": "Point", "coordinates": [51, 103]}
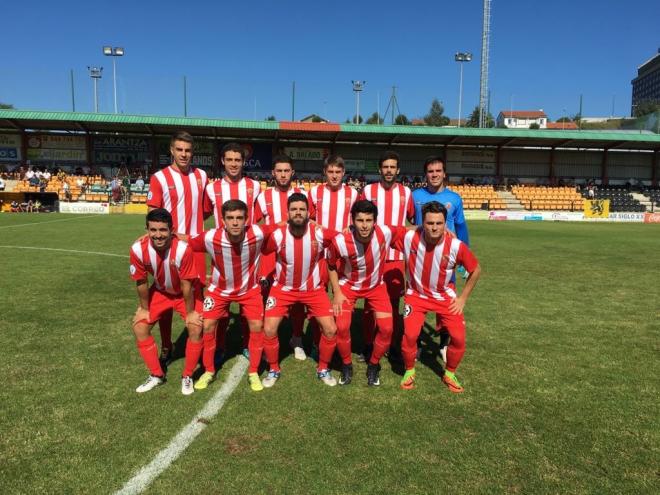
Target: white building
{"type": "Point", "coordinates": [522, 119]}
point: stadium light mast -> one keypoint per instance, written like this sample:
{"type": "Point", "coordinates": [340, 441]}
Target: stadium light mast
{"type": "Point", "coordinates": [485, 53]}
{"type": "Point", "coordinates": [358, 86]}
{"type": "Point", "coordinates": [95, 73]}
{"type": "Point", "coordinates": [461, 57]}
{"type": "Point", "coordinates": [114, 52]}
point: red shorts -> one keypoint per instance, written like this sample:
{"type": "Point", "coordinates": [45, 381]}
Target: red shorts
{"type": "Point", "coordinates": [279, 302]}
{"type": "Point", "coordinates": [200, 264]}
{"type": "Point", "coordinates": [377, 298]}
{"type": "Point", "coordinates": [394, 279]}
{"type": "Point", "coordinates": [161, 302]}
{"type": "Point", "coordinates": [216, 306]}
{"type": "Point", "coordinates": [415, 309]}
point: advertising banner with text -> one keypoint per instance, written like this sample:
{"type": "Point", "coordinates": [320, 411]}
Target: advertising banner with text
{"type": "Point", "coordinates": [116, 150]}
{"type": "Point", "coordinates": [10, 147]}
{"type": "Point", "coordinates": [471, 161]}
{"type": "Point", "coordinates": [204, 153]}
{"type": "Point", "coordinates": [56, 148]}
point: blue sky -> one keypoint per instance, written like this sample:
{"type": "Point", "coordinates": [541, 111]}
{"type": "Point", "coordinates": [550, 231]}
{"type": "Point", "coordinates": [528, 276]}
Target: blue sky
{"type": "Point", "coordinates": [544, 54]}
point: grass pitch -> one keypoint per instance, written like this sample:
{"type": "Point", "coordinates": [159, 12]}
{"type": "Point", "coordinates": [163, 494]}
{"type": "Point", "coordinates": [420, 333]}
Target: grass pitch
{"type": "Point", "coordinates": [561, 375]}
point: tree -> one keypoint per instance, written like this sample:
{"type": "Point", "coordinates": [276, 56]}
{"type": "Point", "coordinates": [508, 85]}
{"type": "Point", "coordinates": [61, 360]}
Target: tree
{"type": "Point", "coordinates": [356, 121]}
{"type": "Point", "coordinates": [435, 116]}
{"type": "Point", "coordinates": [534, 125]}
{"type": "Point", "coordinates": [473, 119]}
{"type": "Point", "coordinates": [7, 106]}
{"type": "Point", "coordinates": [402, 120]}
{"type": "Point", "coordinates": [271, 117]}
{"type": "Point", "coordinates": [564, 119]}
{"type": "Point", "coordinates": [375, 119]}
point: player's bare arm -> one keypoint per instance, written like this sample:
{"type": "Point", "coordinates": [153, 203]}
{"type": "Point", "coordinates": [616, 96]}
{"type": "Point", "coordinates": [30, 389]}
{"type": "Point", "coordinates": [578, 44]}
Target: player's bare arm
{"type": "Point", "coordinates": [142, 312]}
{"type": "Point", "coordinates": [457, 305]}
{"type": "Point", "coordinates": [192, 317]}
{"type": "Point", "coordinates": [338, 297]}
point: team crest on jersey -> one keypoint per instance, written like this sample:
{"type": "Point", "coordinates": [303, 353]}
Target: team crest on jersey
{"type": "Point", "coordinates": [407, 310]}
{"type": "Point", "coordinates": [199, 182]}
{"type": "Point", "coordinates": [171, 188]}
{"type": "Point", "coordinates": [315, 245]}
{"type": "Point", "coordinates": [448, 206]}
{"type": "Point", "coordinates": [271, 302]}
{"type": "Point", "coordinates": [209, 303]}
{"type": "Point", "coordinates": [150, 195]}
{"type": "Point", "coordinates": [172, 262]}
{"type": "Point", "coordinates": [250, 191]}
{"type": "Point", "coordinates": [132, 269]}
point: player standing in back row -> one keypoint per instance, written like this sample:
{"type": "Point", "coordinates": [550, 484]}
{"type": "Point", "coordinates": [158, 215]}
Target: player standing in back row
{"type": "Point", "coordinates": [395, 205]}
{"type": "Point", "coordinates": [179, 188]}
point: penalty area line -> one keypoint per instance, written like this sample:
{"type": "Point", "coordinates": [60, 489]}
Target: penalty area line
{"type": "Point", "coordinates": [48, 221]}
{"type": "Point", "coordinates": [75, 251]}
{"type": "Point", "coordinates": [182, 440]}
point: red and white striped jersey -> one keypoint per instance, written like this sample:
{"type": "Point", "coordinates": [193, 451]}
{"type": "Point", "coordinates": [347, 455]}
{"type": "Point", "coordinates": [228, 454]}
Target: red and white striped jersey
{"type": "Point", "coordinates": [220, 191]}
{"type": "Point", "coordinates": [235, 266]}
{"type": "Point", "coordinates": [331, 209]}
{"type": "Point", "coordinates": [394, 207]}
{"type": "Point", "coordinates": [429, 272]}
{"type": "Point", "coordinates": [182, 195]}
{"type": "Point", "coordinates": [297, 258]}
{"type": "Point", "coordinates": [271, 205]}
{"type": "Point", "coordinates": [361, 266]}
{"type": "Point", "coordinates": [168, 268]}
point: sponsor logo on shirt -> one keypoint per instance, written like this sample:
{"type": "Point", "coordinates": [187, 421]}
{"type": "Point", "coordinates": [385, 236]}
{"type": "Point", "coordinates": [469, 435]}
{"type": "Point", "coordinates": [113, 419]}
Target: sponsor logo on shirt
{"type": "Point", "coordinates": [448, 206]}
{"type": "Point", "coordinates": [132, 269]}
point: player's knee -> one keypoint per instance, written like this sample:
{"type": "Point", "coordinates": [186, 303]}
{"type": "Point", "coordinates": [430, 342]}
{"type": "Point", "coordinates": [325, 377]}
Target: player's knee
{"type": "Point", "coordinates": [270, 330]}
{"type": "Point", "coordinates": [209, 326]}
{"type": "Point", "coordinates": [329, 329]}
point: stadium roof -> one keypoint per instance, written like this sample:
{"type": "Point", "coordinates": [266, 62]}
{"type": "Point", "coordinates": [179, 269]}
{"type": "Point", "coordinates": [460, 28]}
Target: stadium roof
{"type": "Point", "coordinates": [330, 133]}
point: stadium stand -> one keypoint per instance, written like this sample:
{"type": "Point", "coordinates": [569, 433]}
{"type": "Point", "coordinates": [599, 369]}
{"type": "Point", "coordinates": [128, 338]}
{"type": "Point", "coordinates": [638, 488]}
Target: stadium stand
{"type": "Point", "coordinates": [620, 199]}
{"type": "Point", "coordinates": [653, 195]}
{"type": "Point", "coordinates": [479, 197]}
{"type": "Point", "coordinates": [548, 198]}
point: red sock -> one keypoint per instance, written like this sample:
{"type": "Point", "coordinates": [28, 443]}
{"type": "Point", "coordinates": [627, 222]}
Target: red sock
{"type": "Point", "coordinates": [256, 347]}
{"type": "Point", "coordinates": [326, 349]}
{"type": "Point", "coordinates": [455, 349]}
{"type": "Point", "coordinates": [208, 353]}
{"type": "Point", "coordinates": [383, 338]}
{"type": "Point", "coordinates": [368, 326]}
{"type": "Point", "coordinates": [272, 351]}
{"type": "Point", "coordinates": [193, 351]}
{"type": "Point", "coordinates": [221, 332]}
{"type": "Point", "coordinates": [297, 317]}
{"type": "Point", "coordinates": [165, 326]}
{"type": "Point", "coordinates": [149, 352]}
{"type": "Point", "coordinates": [344, 336]}
{"type": "Point", "coordinates": [245, 329]}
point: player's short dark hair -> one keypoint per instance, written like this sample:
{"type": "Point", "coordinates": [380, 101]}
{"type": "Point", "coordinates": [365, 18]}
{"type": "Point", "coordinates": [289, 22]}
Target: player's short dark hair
{"type": "Point", "coordinates": [389, 155]}
{"type": "Point", "coordinates": [181, 136]}
{"type": "Point", "coordinates": [335, 160]}
{"type": "Point", "coordinates": [233, 205]}
{"type": "Point", "coordinates": [159, 215]}
{"type": "Point", "coordinates": [434, 207]}
{"type": "Point", "coordinates": [283, 159]}
{"type": "Point", "coordinates": [435, 159]}
{"type": "Point", "coordinates": [232, 147]}
{"type": "Point", "coordinates": [297, 197]}
{"type": "Point", "coordinates": [364, 206]}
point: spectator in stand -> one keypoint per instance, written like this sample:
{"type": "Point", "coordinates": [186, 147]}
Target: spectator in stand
{"type": "Point", "coordinates": [34, 180]}
{"type": "Point", "coordinates": [29, 174]}
{"type": "Point", "coordinates": [591, 191]}
{"type": "Point", "coordinates": [2, 184]}
{"type": "Point", "coordinates": [42, 184]}
{"type": "Point", "coordinates": [139, 183]}
{"type": "Point", "coordinates": [67, 190]}
{"type": "Point", "coordinates": [115, 187]}
{"type": "Point", "coordinates": [46, 175]}
{"type": "Point", "coordinates": [80, 182]}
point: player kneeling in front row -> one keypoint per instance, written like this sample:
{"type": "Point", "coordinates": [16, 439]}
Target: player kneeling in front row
{"type": "Point", "coordinates": [176, 286]}
{"type": "Point", "coordinates": [432, 254]}
{"type": "Point", "coordinates": [235, 250]}
{"type": "Point", "coordinates": [356, 263]}
{"type": "Point", "coordinates": [298, 247]}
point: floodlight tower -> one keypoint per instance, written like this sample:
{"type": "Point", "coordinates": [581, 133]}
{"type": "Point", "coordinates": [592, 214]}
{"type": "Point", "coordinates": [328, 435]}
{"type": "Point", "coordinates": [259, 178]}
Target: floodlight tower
{"type": "Point", "coordinates": [461, 57]}
{"type": "Point", "coordinates": [485, 50]}
{"type": "Point", "coordinates": [115, 52]}
{"type": "Point", "coordinates": [358, 86]}
{"type": "Point", "coordinates": [95, 73]}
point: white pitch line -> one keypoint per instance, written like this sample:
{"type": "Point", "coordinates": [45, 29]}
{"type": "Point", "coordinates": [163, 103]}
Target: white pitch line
{"type": "Point", "coordinates": [181, 441]}
{"type": "Point", "coordinates": [48, 221]}
{"type": "Point", "coordinates": [98, 253]}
